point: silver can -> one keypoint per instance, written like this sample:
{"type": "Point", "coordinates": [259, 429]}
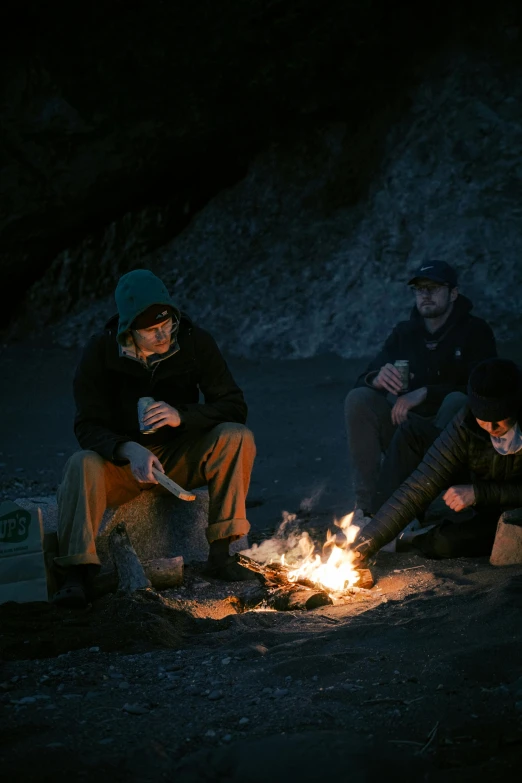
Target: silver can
{"type": "Point", "coordinates": [143, 404]}
{"type": "Point", "coordinates": [403, 367]}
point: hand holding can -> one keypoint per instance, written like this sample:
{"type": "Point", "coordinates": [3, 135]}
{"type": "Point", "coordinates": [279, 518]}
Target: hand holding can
{"type": "Point", "coordinates": [403, 366]}
{"type": "Point", "coordinates": [143, 404]}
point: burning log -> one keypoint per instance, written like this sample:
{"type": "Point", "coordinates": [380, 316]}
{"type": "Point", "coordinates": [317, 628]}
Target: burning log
{"type": "Point", "coordinates": [284, 594]}
{"type": "Point", "coordinates": [366, 581]}
{"type": "Point", "coordinates": [299, 598]}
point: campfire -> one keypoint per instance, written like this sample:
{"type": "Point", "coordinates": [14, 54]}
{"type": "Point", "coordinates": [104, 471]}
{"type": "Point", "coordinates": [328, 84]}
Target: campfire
{"type": "Point", "coordinates": [296, 576]}
{"type": "Point", "coordinates": [292, 574]}
{"type": "Point", "coordinates": [336, 573]}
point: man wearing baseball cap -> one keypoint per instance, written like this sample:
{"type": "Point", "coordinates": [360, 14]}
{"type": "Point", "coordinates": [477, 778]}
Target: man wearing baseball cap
{"type": "Point", "coordinates": [150, 349]}
{"type": "Point", "coordinates": [476, 461]}
{"type": "Point", "coordinates": [441, 342]}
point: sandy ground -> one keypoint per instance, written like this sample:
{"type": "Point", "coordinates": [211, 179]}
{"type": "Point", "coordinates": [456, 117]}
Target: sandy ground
{"type": "Point", "coordinates": [420, 677]}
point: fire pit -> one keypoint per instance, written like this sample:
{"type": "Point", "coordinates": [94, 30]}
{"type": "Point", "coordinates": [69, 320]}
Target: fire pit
{"type": "Point", "coordinates": [304, 579]}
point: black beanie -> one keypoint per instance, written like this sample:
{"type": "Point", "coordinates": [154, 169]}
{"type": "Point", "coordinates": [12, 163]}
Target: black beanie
{"type": "Point", "coordinates": [155, 314]}
{"type": "Point", "coordinates": [494, 390]}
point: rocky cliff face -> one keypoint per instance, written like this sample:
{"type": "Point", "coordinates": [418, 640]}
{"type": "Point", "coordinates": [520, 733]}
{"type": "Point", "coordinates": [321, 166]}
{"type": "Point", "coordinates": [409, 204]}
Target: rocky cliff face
{"type": "Point", "coordinates": [280, 265]}
{"type": "Point", "coordinates": [381, 140]}
{"type": "Point", "coordinates": [122, 105]}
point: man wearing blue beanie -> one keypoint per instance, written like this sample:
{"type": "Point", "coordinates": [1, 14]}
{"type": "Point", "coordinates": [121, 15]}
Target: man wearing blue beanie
{"type": "Point", "coordinates": [476, 462]}
{"type": "Point", "coordinates": [150, 349]}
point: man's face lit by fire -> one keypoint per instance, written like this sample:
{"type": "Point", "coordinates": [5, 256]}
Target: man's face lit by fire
{"type": "Point", "coordinates": [154, 339]}
{"type": "Point", "coordinates": [433, 300]}
{"type": "Point", "coordinates": [497, 428]}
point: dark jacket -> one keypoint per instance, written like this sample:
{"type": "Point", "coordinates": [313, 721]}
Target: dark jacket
{"type": "Point", "coordinates": [440, 361]}
{"type": "Point", "coordinates": [107, 387]}
{"type": "Point", "coordinates": [463, 445]}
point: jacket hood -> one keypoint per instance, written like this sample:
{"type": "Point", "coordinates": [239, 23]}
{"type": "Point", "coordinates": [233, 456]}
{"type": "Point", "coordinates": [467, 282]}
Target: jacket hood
{"type": "Point", "coordinates": [135, 292]}
{"type": "Point", "coordinates": [462, 307]}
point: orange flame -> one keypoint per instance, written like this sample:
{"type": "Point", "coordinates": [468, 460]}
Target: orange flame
{"type": "Point", "coordinates": [337, 572]}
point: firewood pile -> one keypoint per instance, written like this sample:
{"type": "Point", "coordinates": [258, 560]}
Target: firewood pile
{"type": "Point", "coordinates": [286, 595]}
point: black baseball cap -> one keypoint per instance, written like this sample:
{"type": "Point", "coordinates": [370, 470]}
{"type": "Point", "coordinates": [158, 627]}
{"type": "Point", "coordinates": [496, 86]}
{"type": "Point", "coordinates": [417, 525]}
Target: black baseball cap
{"type": "Point", "coordinates": [438, 271]}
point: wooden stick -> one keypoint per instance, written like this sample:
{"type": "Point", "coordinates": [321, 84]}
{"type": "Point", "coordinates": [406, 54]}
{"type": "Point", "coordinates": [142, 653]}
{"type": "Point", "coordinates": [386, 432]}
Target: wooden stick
{"type": "Point", "coordinates": [163, 573]}
{"type": "Point", "coordinates": [130, 571]}
{"type": "Point", "coordinates": [300, 598]}
{"type": "Point", "coordinates": [167, 482]}
{"type": "Point", "coordinates": [431, 738]}
{"type": "Point", "coordinates": [365, 579]}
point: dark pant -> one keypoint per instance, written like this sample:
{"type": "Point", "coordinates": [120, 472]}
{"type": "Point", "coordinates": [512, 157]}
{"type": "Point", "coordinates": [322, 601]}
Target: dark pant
{"type": "Point", "coordinates": [370, 431]}
{"type": "Point", "coordinates": [470, 538]}
{"type": "Point", "coordinates": [408, 446]}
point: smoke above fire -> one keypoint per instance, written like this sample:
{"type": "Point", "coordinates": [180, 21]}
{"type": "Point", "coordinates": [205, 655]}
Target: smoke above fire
{"type": "Point", "coordinates": [285, 541]}
{"type": "Point", "coordinates": [332, 567]}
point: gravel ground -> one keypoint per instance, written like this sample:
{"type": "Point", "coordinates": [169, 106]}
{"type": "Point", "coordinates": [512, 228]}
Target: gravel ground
{"type": "Point", "coordinates": [420, 677]}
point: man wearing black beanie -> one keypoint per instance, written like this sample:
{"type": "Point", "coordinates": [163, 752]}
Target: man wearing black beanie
{"type": "Point", "coordinates": [476, 462]}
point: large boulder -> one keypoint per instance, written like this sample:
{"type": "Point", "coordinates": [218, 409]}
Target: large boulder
{"type": "Point", "coordinates": [159, 525]}
{"type": "Point", "coordinates": [507, 549]}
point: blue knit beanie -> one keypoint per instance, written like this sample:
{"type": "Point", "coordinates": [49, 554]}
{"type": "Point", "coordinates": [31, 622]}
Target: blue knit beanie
{"type": "Point", "coordinates": [136, 292]}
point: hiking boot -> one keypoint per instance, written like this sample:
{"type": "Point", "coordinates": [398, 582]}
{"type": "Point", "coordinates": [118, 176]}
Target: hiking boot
{"type": "Point", "coordinates": [402, 542]}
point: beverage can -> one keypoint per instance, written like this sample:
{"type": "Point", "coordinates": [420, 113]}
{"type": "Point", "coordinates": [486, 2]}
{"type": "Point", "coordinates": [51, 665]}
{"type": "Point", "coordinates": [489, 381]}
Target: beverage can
{"type": "Point", "coordinates": [143, 404]}
{"type": "Point", "coordinates": [403, 367]}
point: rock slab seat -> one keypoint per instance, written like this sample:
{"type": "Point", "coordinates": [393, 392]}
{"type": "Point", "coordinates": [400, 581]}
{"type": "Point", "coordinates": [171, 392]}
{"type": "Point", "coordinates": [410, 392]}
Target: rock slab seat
{"type": "Point", "coordinates": [159, 524]}
{"type": "Point", "coordinates": [507, 548]}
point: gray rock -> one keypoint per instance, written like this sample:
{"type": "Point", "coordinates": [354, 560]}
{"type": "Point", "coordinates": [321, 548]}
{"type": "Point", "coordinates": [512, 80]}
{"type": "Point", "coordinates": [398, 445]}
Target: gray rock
{"type": "Point", "coordinates": [215, 695]}
{"type": "Point", "coordinates": [507, 548]}
{"type": "Point", "coordinates": [159, 525]}
{"type": "Point", "coordinates": [136, 709]}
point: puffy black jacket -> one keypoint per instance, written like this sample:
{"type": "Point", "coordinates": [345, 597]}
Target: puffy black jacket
{"type": "Point", "coordinates": [107, 387]}
{"type": "Point", "coordinates": [497, 480]}
{"type": "Point", "coordinates": [440, 361]}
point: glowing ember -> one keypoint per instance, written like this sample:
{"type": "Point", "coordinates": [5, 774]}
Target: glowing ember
{"type": "Point", "coordinates": [334, 570]}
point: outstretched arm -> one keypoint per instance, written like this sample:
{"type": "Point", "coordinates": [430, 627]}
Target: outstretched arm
{"type": "Point", "coordinates": [442, 462]}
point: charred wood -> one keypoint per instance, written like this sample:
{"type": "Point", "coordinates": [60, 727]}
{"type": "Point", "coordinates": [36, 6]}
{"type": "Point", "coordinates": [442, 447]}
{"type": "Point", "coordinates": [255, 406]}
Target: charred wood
{"type": "Point", "coordinates": [131, 576]}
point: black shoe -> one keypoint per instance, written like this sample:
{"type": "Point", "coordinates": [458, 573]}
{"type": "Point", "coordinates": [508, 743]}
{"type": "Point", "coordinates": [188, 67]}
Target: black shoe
{"type": "Point", "coordinates": [72, 594]}
{"type": "Point", "coordinates": [230, 571]}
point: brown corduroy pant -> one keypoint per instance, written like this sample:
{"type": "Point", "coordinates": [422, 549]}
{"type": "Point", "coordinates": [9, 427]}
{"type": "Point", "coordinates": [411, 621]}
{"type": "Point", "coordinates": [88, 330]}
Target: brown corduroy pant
{"type": "Point", "coordinates": [221, 458]}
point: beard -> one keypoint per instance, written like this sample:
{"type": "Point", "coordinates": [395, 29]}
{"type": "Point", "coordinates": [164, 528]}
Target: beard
{"type": "Point", "coordinates": [430, 309]}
